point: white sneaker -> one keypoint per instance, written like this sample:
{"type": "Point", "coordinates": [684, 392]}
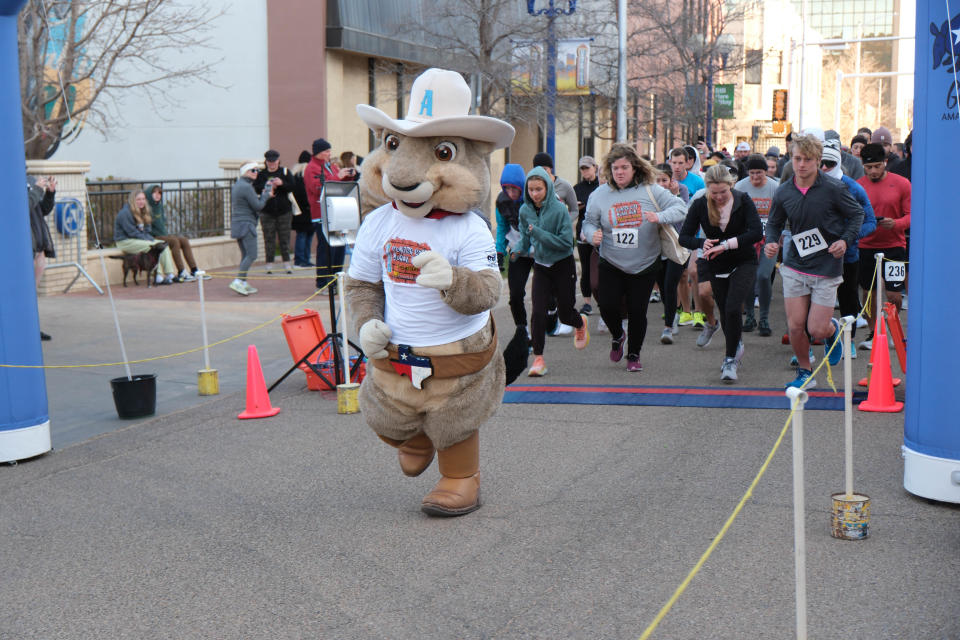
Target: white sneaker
{"type": "Point", "coordinates": [602, 326]}
{"type": "Point", "coordinates": [286, 265]}
{"type": "Point", "coordinates": [159, 279]}
{"type": "Point", "coordinates": [249, 289]}
{"type": "Point", "coordinates": [239, 286]}
{"type": "Point", "coordinates": [861, 322]}
{"type": "Point", "coordinates": [186, 276]}
{"type": "Point", "coordinates": [562, 330]}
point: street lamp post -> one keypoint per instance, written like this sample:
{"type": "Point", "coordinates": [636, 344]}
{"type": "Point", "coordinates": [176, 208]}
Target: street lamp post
{"type": "Point", "coordinates": [552, 12]}
{"type": "Point", "coordinates": [722, 48]}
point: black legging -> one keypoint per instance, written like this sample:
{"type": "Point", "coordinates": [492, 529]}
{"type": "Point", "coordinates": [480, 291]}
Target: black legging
{"type": "Point", "coordinates": [557, 281]}
{"type": "Point", "coordinates": [847, 293]}
{"type": "Point", "coordinates": [614, 285]}
{"type": "Point", "coordinates": [668, 279]}
{"type": "Point", "coordinates": [517, 275]}
{"type": "Point", "coordinates": [730, 294]}
{"type": "Point", "coordinates": [585, 251]}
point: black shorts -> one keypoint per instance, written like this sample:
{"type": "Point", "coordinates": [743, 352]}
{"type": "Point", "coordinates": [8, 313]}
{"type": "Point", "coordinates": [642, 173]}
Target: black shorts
{"type": "Point", "coordinates": [703, 270]}
{"type": "Point", "coordinates": [868, 263]}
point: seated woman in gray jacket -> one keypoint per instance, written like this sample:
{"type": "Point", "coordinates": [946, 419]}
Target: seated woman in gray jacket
{"type": "Point", "coordinates": [246, 208]}
{"type": "Point", "coordinates": [132, 233]}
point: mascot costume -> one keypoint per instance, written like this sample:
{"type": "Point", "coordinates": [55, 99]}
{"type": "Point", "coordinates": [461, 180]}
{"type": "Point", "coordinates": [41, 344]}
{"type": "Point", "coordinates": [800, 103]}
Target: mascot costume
{"type": "Point", "coordinates": [421, 283]}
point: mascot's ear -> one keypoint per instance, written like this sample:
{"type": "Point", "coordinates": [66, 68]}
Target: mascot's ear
{"type": "Point", "coordinates": [483, 148]}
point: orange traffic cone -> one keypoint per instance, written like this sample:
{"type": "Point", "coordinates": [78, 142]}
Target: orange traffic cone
{"type": "Point", "coordinates": [880, 397]}
{"type": "Point", "coordinates": [258, 400]}
{"type": "Point", "coordinates": [865, 382]}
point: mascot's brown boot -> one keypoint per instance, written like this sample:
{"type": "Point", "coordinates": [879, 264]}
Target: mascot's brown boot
{"type": "Point", "coordinates": [415, 454]}
{"type": "Point", "coordinates": [458, 491]}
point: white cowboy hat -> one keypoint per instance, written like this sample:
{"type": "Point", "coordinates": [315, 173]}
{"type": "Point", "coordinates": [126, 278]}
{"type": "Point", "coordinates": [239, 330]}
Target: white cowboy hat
{"type": "Point", "coordinates": [439, 106]}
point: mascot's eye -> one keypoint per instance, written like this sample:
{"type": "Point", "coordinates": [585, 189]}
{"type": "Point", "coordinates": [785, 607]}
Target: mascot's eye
{"type": "Point", "coordinates": [445, 151]}
{"type": "Point", "coordinates": [392, 142]}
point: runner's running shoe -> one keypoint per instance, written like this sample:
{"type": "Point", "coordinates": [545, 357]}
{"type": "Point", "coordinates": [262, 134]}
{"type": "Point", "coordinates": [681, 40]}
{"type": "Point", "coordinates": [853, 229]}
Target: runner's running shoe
{"type": "Point", "coordinates": [667, 336]}
{"type": "Point", "coordinates": [707, 334]}
{"type": "Point", "coordinates": [832, 349]}
{"type": "Point", "coordinates": [804, 379]}
{"type": "Point", "coordinates": [728, 371]}
{"type": "Point", "coordinates": [794, 362]}
{"type": "Point", "coordinates": [684, 319]}
{"type": "Point", "coordinates": [538, 368]}
{"type": "Point", "coordinates": [633, 363]}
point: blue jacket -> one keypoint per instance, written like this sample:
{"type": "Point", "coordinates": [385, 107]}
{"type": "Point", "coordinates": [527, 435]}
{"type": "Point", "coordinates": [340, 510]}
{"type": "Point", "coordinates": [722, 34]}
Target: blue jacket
{"type": "Point", "coordinates": [508, 211]}
{"type": "Point", "coordinates": [869, 218]}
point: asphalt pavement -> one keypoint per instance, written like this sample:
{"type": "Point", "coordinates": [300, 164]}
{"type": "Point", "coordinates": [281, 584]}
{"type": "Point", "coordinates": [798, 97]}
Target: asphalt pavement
{"type": "Point", "coordinates": [194, 524]}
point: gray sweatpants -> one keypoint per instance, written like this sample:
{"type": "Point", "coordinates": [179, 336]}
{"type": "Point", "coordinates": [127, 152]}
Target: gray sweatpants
{"type": "Point", "coordinates": [248, 253]}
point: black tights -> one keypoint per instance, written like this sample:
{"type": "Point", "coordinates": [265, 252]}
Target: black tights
{"type": "Point", "coordinates": [614, 284]}
{"type": "Point", "coordinates": [731, 293]}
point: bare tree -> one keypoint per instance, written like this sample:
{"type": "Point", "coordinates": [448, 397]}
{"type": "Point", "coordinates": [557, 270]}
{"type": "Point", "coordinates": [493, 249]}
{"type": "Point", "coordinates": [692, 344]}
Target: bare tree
{"type": "Point", "coordinates": [92, 52]}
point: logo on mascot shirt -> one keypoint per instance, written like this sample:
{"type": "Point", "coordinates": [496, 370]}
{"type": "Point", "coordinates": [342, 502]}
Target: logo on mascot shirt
{"type": "Point", "coordinates": [397, 254]}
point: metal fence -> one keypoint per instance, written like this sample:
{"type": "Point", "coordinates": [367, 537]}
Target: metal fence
{"type": "Point", "coordinates": [195, 208]}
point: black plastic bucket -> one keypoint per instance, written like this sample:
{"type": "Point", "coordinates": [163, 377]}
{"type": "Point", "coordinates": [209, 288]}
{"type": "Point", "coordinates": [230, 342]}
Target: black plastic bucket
{"type": "Point", "coordinates": [137, 397]}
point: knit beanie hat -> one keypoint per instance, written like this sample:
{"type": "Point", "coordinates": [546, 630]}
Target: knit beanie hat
{"type": "Point", "coordinates": [543, 160]}
{"type": "Point", "coordinates": [756, 161]}
{"type": "Point", "coordinates": [872, 152]}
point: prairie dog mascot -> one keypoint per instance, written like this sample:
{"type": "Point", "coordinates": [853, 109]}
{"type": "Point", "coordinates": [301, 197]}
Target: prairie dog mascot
{"type": "Point", "coordinates": [421, 283]}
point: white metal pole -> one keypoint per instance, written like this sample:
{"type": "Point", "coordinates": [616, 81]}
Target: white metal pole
{"type": "Point", "coordinates": [848, 404]}
{"type": "Point", "coordinates": [343, 327]}
{"type": "Point", "coordinates": [203, 321]}
{"type": "Point", "coordinates": [622, 72]}
{"type": "Point", "coordinates": [798, 399]}
{"type": "Point", "coordinates": [116, 320]}
{"type": "Point", "coordinates": [803, 59]}
{"type": "Point", "coordinates": [879, 259]}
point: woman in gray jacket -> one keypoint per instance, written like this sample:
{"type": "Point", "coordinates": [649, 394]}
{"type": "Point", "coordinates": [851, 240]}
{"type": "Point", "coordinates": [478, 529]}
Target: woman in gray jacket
{"type": "Point", "coordinates": [246, 208]}
{"type": "Point", "coordinates": [623, 219]}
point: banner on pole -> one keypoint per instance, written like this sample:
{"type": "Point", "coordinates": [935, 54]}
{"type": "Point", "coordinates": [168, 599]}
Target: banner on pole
{"type": "Point", "coordinates": [723, 101]}
{"type": "Point", "coordinates": [573, 66]}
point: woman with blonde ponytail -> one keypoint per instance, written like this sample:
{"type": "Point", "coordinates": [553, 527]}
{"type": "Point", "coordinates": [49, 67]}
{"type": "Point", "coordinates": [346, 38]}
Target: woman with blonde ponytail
{"type": "Point", "coordinates": [731, 226]}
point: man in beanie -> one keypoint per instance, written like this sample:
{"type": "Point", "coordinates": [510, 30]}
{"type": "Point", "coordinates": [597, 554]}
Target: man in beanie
{"type": "Point", "coordinates": [277, 215]}
{"type": "Point", "coordinates": [890, 196]}
{"type": "Point", "coordinates": [857, 143]}
{"type": "Point", "coordinates": [849, 164]}
{"type": "Point", "coordinates": [318, 171]}
{"type": "Point", "coordinates": [883, 137]}
{"type": "Point", "coordinates": [588, 258]}
{"type": "Point", "coordinates": [761, 189]}
{"type": "Point", "coordinates": [847, 291]}
{"type": "Point", "coordinates": [740, 155]}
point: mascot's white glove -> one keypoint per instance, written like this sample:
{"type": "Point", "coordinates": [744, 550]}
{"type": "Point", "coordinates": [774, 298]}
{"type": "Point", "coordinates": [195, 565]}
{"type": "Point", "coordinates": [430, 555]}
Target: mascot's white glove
{"type": "Point", "coordinates": [435, 270]}
{"type": "Point", "coordinates": [374, 337]}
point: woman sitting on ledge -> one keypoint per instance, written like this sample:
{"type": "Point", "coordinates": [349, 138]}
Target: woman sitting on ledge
{"type": "Point", "coordinates": [179, 245]}
{"type": "Point", "coordinates": [131, 232]}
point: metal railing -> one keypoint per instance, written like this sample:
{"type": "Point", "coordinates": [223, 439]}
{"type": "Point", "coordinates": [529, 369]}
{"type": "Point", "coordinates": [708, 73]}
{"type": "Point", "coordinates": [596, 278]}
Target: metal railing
{"type": "Point", "coordinates": [195, 207]}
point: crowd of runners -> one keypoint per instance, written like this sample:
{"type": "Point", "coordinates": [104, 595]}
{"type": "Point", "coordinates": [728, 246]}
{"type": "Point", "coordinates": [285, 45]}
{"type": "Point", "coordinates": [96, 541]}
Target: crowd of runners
{"type": "Point", "coordinates": [817, 215]}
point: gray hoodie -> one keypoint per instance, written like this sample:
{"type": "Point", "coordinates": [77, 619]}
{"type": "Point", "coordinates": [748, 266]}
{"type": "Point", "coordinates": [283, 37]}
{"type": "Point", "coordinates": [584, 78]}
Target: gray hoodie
{"type": "Point", "coordinates": [609, 208]}
{"type": "Point", "coordinates": [246, 207]}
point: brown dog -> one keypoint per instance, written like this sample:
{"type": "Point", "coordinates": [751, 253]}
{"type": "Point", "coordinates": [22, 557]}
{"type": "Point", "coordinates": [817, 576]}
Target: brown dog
{"type": "Point", "coordinates": [145, 262]}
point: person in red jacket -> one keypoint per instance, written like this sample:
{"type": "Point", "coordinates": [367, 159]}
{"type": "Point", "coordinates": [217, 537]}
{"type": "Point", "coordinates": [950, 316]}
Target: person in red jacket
{"type": "Point", "coordinates": [890, 196]}
{"type": "Point", "coordinates": [319, 170]}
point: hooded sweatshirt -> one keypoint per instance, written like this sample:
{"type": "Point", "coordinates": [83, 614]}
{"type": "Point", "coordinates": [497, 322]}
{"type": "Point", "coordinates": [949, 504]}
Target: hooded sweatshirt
{"type": "Point", "coordinates": [508, 211]}
{"type": "Point", "coordinates": [551, 236]}
{"type": "Point", "coordinates": [158, 222]}
{"type": "Point", "coordinates": [630, 243]}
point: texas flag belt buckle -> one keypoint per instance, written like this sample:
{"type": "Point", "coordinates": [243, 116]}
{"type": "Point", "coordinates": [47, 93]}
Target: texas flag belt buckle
{"type": "Point", "coordinates": [417, 368]}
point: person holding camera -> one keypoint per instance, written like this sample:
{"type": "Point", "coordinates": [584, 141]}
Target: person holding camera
{"type": "Point", "coordinates": [246, 208]}
{"type": "Point", "coordinates": [277, 215]}
{"type": "Point", "coordinates": [40, 195]}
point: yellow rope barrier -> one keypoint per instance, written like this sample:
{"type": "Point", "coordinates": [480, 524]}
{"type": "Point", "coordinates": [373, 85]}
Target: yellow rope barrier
{"type": "Point", "coordinates": [746, 496]}
{"type": "Point", "coordinates": [171, 355]}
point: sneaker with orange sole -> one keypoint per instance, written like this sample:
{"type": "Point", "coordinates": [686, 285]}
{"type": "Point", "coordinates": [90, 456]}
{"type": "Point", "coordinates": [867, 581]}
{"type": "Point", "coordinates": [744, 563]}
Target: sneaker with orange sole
{"type": "Point", "coordinates": [538, 368]}
{"type": "Point", "coordinates": [581, 336]}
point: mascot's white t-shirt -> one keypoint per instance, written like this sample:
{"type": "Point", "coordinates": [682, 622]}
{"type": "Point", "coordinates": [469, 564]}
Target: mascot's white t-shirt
{"type": "Point", "coordinates": [389, 240]}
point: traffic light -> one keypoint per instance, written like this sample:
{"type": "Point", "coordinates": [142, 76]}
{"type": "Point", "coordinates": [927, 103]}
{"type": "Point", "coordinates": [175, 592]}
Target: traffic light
{"type": "Point", "coordinates": [779, 104]}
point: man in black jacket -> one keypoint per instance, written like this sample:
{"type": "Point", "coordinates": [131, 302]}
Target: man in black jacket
{"type": "Point", "coordinates": [277, 215]}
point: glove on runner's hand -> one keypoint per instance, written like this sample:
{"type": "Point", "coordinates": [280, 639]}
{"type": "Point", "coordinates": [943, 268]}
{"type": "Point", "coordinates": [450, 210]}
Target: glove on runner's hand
{"type": "Point", "coordinates": [374, 337]}
{"type": "Point", "coordinates": [435, 270]}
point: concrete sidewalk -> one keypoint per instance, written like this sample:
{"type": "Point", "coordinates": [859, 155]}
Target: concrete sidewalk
{"type": "Point", "coordinates": [198, 525]}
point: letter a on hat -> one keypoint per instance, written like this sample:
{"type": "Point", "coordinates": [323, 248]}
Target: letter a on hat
{"type": "Point", "coordinates": [426, 106]}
